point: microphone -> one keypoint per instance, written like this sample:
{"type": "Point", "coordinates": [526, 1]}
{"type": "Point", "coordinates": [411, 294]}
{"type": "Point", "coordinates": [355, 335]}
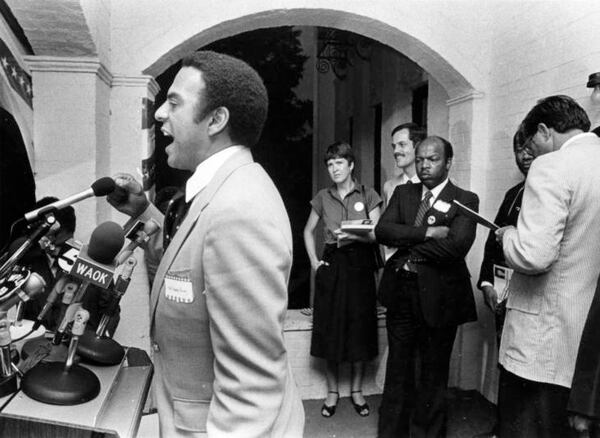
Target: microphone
{"type": "Point", "coordinates": [138, 239]}
{"type": "Point", "coordinates": [58, 289]}
{"type": "Point", "coordinates": [68, 292]}
{"type": "Point", "coordinates": [94, 265]}
{"type": "Point", "coordinates": [81, 319]}
{"type": "Point", "coordinates": [32, 287]}
{"type": "Point", "coordinates": [119, 290]}
{"type": "Point", "coordinates": [100, 187]}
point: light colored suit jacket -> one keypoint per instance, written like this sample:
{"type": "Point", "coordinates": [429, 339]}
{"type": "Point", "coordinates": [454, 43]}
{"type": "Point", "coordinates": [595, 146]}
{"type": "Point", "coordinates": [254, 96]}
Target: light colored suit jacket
{"type": "Point", "coordinates": [221, 363]}
{"type": "Point", "coordinates": [554, 251]}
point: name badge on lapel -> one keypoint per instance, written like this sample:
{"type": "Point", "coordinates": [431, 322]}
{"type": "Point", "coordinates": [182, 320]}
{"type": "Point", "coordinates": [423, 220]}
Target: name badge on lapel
{"type": "Point", "coordinates": [178, 288]}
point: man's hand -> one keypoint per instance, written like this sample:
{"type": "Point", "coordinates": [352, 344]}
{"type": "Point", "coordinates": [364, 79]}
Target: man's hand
{"type": "Point", "coordinates": [345, 236]}
{"type": "Point", "coordinates": [490, 297]}
{"type": "Point", "coordinates": [436, 232]}
{"type": "Point", "coordinates": [129, 196]}
{"type": "Point", "coordinates": [581, 424]}
{"type": "Point", "coordinates": [318, 264]}
{"type": "Point", "coordinates": [500, 233]}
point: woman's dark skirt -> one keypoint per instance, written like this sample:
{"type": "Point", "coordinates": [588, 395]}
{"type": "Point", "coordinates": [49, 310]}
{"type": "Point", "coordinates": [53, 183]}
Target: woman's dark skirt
{"type": "Point", "coordinates": [345, 310]}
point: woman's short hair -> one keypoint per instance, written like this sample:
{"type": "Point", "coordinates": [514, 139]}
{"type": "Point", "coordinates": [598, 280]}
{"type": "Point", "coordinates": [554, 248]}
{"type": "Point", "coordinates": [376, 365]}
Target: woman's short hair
{"type": "Point", "coordinates": [339, 149]}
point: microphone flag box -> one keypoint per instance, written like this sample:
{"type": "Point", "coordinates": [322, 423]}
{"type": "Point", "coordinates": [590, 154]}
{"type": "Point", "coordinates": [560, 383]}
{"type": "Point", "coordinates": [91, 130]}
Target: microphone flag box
{"type": "Point", "coordinates": [87, 269]}
{"type": "Point", "coordinates": [358, 226]}
{"type": "Point", "coordinates": [68, 254]}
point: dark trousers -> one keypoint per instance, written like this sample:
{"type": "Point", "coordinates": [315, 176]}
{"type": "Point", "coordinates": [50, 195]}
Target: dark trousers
{"type": "Point", "coordinates": [531, 409]}
{"type": "Point", "coordinates": [413, 401]}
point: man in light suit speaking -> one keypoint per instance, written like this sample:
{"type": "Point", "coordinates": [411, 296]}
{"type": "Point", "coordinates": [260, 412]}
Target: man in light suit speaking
{"type": "Point", "coordinates": [219, 296]}
{"type": "Point", "coordinates": [554, 253]}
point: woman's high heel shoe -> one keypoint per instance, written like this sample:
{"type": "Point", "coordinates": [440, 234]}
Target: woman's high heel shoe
{"type": "Point", "coordinates": [329, 411]}
{"type": "Point", "coordinates": [362, 410]}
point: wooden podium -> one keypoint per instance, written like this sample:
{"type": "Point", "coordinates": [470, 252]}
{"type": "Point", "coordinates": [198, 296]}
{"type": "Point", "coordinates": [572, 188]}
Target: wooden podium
{"type": "Point", "coordinates": [115, 412]}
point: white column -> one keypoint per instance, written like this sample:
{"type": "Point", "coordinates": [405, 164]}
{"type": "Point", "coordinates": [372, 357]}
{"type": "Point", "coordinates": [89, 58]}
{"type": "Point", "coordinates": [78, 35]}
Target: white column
{"type": "Point", "coordinates": [474, 358]}
{"type": "Point", "coordinates": [71, 129]}
{"type": "Point", "coordinates": [132, 144]}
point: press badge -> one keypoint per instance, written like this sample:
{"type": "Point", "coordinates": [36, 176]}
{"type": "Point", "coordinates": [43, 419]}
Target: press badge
{"type": "Point", "coordinates": [178, 289]}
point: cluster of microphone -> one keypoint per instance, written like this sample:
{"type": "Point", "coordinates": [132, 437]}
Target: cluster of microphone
{"type": "Point", "coordinates": [105, 263]}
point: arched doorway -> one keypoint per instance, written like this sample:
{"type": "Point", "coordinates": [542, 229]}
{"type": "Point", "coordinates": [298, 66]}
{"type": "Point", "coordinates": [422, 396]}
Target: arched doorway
{"type": "Point", "coordinates": [17, 186]}
{"type": "Point", "coordinates": [408, 32]}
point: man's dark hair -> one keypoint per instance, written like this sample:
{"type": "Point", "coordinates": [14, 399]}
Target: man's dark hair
{"type": "Point", "coordinates": [520, 139]}
{"type": "Point", "coordinates": [448, 151]}
{"type": "Point", "coordinates": [596, 131]}
{"type": "Point", "coordinates": [65, 216]}
{"type": "Point", "coordinates": [233, 84]}
{"type": "Point", "coordinates": [416, 133]}
{"type": "Point", "coordinates": [339, 149]}
{"type": "Point", "coordinates": [560, 113]}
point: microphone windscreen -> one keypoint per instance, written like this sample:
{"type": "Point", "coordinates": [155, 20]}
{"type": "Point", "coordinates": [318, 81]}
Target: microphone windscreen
{"type": "Point", "coordinates": [106, 241]}
{"type": "Point", "coordinates": [103, 186]}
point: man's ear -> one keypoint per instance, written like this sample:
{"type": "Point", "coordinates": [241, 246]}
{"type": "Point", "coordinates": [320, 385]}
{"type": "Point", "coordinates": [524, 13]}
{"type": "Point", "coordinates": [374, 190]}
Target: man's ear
{"type": "Point", "coordinates": [544, 131]}
{"type": "Point", "coordinates": [218, 120]}
{"type": "Point", "coordinates": [448, 164]}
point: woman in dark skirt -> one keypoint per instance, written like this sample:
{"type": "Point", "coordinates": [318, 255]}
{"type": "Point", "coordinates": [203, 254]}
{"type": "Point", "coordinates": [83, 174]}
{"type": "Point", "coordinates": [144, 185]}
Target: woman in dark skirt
{"type": "Point", "coordinates": [345, 314]}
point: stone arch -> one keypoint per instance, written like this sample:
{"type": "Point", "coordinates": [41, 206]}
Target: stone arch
{"type": "Point", "coordinates": [455, 82]}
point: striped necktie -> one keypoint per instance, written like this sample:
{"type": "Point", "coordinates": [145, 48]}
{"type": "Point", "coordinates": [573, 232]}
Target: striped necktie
{"type": "Point", "coordinates": [423, 207]}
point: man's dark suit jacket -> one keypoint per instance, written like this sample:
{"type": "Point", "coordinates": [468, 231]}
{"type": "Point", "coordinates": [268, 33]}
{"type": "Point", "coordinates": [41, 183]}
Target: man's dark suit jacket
{"type": "Point", "coordinates": [508, 214]}
{"type": "Point", "coordinates": [445, 292]}
{"type": "Point", "coordinates": [584, 398]}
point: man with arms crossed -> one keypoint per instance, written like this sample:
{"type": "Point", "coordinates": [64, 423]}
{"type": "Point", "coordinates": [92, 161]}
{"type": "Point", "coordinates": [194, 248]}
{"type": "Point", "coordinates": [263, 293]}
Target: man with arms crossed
{"type": "Point", "coordinates": [219, 297]}
{"type": "Point", "coordinates": [554, 252]}
{"type": "Point", "coordinates": [426, 288]}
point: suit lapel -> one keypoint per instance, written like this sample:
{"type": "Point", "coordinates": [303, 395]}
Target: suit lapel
{"type": "Point", "coordinates": [448, 193]}
{"type": "Point", "coordinates": [199, 203]}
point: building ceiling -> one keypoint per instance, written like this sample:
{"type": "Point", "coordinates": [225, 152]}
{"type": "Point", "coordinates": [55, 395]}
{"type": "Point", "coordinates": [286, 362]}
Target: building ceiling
{"type": "Point", "coordinates": [54, 28]}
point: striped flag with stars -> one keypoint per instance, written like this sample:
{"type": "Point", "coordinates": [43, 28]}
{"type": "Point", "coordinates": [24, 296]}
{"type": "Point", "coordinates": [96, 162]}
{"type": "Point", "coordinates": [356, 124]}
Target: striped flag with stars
{"type": "Point", "coordinates": [18, 78]}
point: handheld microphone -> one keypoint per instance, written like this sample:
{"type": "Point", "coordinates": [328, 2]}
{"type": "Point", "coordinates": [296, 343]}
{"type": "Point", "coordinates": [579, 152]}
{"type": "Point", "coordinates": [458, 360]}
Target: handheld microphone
{"type": "Point", "coordinates": [100, 187]}
{"type": "Point", "coordinates": [139, 239]}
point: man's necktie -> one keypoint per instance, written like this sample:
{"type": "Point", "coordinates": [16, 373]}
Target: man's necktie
{"type": "Point", "coordinates": [174, 215]}
{"type": "Point", "coordinates": [423, 207]}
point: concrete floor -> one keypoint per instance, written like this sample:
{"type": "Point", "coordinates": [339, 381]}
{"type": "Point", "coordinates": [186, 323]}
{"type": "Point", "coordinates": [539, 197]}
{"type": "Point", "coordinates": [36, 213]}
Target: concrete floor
{"type": "Point", "coordinates": [469, 414]}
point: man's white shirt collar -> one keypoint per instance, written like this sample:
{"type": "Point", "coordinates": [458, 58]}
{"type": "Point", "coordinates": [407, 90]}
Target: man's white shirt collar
{"type": "Point", "coordinates": [435, 192]}
{"type": "Point", "coordinates": [413, 179]}
{"type": "Point", "coordinates": [207, 170]}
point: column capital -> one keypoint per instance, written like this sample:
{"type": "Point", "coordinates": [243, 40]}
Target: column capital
{"type": "Point", "coordinates": [471, 95]}
{"type": "Point", "coordinates": [146, 81]}
{"type": "Point", "coordinates": [60, 64]}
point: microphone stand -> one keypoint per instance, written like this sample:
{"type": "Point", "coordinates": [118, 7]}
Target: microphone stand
{"type": "Point", "coordinates": [8, 377]}
{"type": "Point", "coordinates": [60, 383]}
{"type": "Point", "coordinates": [96, 347]}
{"type": "Point", "coordinates": [34, 237]}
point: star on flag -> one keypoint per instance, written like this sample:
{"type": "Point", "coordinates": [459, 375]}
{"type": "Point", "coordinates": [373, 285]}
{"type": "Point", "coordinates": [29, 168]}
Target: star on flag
{"type": "Point", "coordinates": [18, 78]}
